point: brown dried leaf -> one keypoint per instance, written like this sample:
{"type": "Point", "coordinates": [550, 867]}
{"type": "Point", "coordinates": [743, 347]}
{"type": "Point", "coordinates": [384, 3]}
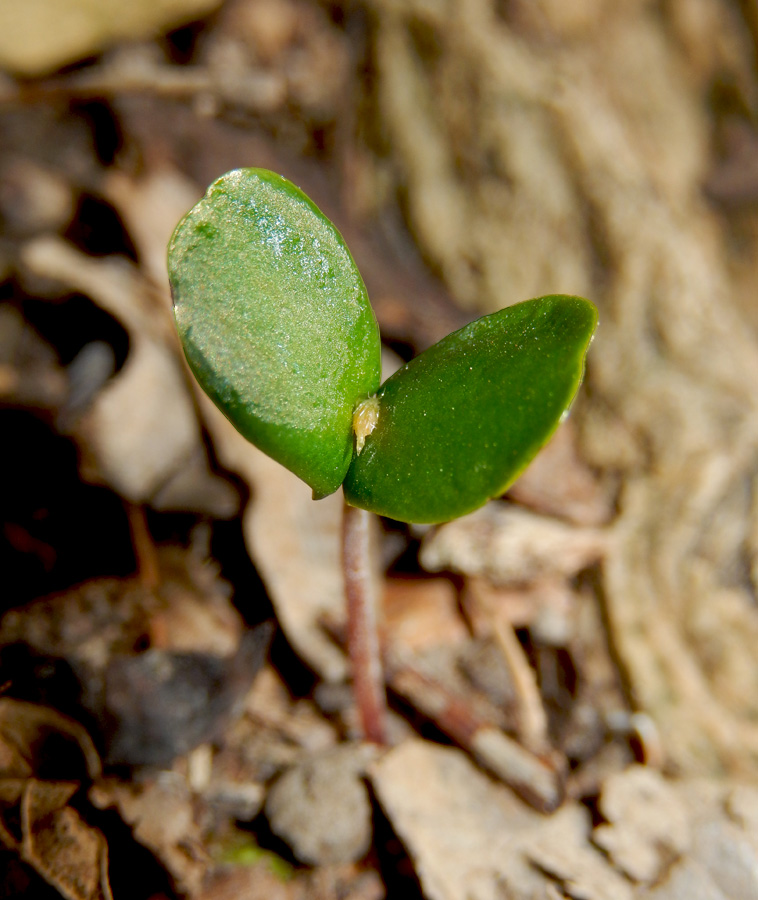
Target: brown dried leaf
{"type": "Point", "coordinates": [270, 704]}
{"type": "Point", "coordinates": [525, 606]}
{"type": "Point", "coordinates": [150, 393]}
{"type": "Point", "coordinates": [422, 613]}
{"type": "Point", "coordinates": [57, 843]}
{"type": "Point", "coordinates": [190, 610]}
{"type": "Point", "coordinates": [11, 792]}
{"type": "Point", "coordinates": [559, 483]}
{"type": "Point", "coordinates": [687, 880]}
{"type": "Point", "coordinates": [35, 819]}
{"type": "Point", "coordinates": [38, 36]}
{"type": "Point", "coordinates": [511, 546]}
{"type": "Point", "coordinates": [151, 207]}
{"type": "Point", "coordinates": [23, 729]}
{"type": "Point", "coordinates": [647, 823]}
{"type": "Point", "coordinates": [462, 831]}
{"type": "Point", "coordinates": [470, 838]}
{"type": "Point", "coordinates": [729, 856]}
{"type": "Point", "coordinates": [161, 701]}
{"type": "Point", "coordinates": [294, 542]}
{"type": "Point", "coordinates": [162, 817]}
{"type": "Point", "coordinates": [720, 858]}
{"type": "Point", "coordinates": [562, 850]}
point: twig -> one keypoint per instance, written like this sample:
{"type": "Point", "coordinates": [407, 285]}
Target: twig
{"type": "Point", "coordinates": [530, 716]}
{"type": "Point", "coordinates": [537, 779]}
{"type": "Point", "coordinates": [144, 548]}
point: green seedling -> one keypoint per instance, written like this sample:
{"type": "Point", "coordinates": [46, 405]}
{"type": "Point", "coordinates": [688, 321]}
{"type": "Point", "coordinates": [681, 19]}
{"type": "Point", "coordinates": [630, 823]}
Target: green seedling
{"type": "Point", "coordinates": [277, 327]}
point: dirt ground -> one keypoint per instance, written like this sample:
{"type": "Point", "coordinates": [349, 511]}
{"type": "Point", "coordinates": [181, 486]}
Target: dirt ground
{"type": "Point", "coordinates": [572, 669]}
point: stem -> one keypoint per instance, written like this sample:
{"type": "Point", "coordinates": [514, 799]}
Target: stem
{"type": "Point", "coordinates": [362, 633]}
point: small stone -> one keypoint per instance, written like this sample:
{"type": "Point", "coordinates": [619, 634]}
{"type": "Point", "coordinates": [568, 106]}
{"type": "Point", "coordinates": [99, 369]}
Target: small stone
{"type": "Point", "coordinates": [321, 807]}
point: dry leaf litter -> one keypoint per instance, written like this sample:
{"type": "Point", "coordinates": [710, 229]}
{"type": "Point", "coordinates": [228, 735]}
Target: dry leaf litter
{"type": "Point", "coordinates": [572, 668]}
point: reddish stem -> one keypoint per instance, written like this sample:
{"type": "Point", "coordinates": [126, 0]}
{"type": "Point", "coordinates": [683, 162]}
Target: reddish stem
{"type": "Point", "coordinates": [362, 633]}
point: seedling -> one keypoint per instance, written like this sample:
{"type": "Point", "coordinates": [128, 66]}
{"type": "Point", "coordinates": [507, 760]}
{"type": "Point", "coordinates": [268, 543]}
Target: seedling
{"type": "Point", "coordinates": [277, 327]}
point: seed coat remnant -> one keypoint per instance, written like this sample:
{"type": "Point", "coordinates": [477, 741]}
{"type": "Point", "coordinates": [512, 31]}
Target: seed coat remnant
{"type": "Point", "coordinates": [365, 419]}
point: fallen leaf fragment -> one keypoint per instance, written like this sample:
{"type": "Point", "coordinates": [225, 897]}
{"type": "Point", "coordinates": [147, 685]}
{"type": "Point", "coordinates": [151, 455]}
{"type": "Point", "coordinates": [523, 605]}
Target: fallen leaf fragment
{"type": "Point", "coordinates": [742, 807]}
{"type": "Point", "coordinates": [421, 613]}
{"type": "Point", "coordinates": [511, 546]}
{"type": "Point", "coordinates": [559, 483]}
{"type": "Point", "coordinates": [729, 856]}
{"type": "Point", "coordinates": [38, 36]}
{"type": "Point", "coordinates": [647, 823]}
{"type": "Point", "coordinates": [687, 880]}
{"type": "Point", "coordinates": [33, 197]}
{"type": "Point", "coordinates": [161, 704]}
{"type": "Point", "coordinates": [294, 543]}
{"type": "Point", "coordinates": [154, 703]}
{"type": "Point", "coordinates": [161, 816]}
{"type": "Point", "coordinates": [464, 833]}
{"type": "Point", "coordinates": [300, 725]}
{"type": "Point", "coordinates": [24, 728]}
{"type": "Point", "coordinates": [140, 431]}
{"type": "Point", "coordinates": [562, 850]}
{"type": "Point", "coordinates": [151, 206]}
{"type": "Point", "coordinates": [54, 840]}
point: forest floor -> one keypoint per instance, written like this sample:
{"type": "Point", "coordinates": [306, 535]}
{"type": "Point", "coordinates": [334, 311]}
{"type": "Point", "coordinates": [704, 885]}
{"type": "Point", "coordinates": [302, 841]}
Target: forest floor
{"type": "Point", "coordinates": [571, 670]}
